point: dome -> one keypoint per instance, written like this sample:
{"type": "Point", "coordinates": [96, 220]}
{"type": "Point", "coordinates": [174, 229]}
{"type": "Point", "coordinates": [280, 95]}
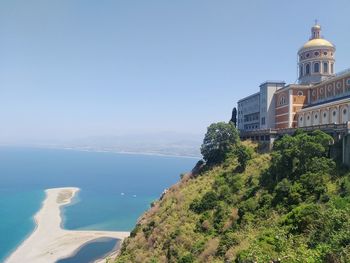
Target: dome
{"type": "Point", "coordinates": [317, 42]}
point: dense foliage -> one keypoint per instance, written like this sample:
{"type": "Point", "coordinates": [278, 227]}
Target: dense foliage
{"type": "Point", "coordinates": [292, 205]}
{"type": "Point", "coordinates": [220, 138]}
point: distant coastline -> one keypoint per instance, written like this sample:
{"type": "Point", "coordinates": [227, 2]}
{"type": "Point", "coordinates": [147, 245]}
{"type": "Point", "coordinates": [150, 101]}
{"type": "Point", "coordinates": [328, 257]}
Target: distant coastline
{"type": "Point", "coordinates": [80, 149]}
{"type": "Point", "coordinates": [131, 153]}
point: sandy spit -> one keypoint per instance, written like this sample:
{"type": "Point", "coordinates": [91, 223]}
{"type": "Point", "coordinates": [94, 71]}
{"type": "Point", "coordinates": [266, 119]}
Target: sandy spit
{"type": "Point", "coordinates": [49, 242]}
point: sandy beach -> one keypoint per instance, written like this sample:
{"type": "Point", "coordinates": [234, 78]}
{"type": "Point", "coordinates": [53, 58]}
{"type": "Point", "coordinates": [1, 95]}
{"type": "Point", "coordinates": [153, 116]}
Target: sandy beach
{"type": "Point", "coordinates": [49, 241]}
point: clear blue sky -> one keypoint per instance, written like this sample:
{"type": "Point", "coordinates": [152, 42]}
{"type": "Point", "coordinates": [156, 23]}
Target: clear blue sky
{"type": "Point", "coordinates": [75, 68]}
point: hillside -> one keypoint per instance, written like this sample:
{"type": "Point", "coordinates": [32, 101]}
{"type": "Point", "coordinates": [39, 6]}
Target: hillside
{"type": "Point", "coordinates": [291, 205]}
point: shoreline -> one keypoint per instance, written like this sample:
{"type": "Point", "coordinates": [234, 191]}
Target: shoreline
{"type": "Point", "coordinates": [49, 241]}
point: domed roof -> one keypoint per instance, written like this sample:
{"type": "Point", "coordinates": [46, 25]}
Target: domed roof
{"type": "Point", "coordinates": [317, 42]}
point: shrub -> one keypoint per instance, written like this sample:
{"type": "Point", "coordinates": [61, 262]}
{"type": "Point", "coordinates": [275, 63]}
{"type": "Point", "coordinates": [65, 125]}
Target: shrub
{"type": "Point", "coordinates": [314, 184]}
{"type": "Point", "coordinates": [147, 230]}
{"type": "Point", "coordinates": [134, 232]}
{"type": "Point", "coordinates": [207, 202]}
{"type": "Point", "coordinates": [220, 215]}
{"type": "Point", "coordinates": [303, 218]}
{"type": "Point", "coordinates": [189, 258]}
{"type": "Point", "coordinates": [227, 241]}
{"type": "Point", "coordinates": [244, 154]}
{"type": "Point", "coordinates": [345, 187]}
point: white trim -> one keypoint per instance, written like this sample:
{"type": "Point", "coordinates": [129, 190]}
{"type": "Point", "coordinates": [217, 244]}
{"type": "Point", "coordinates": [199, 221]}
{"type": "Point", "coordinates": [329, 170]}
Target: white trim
{"type": "Point", "coordinates": [279, 107]}
{"type": "Point", "coordinates": [290, 106]}
{"type": "Point", "coordinates": [277, 115]}
{"type": "Point", "coordinates": [282, 122]}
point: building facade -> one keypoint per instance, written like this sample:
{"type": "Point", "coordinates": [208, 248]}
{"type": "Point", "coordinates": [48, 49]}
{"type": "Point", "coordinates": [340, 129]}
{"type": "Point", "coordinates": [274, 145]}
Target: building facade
{"type": "Point", "coordinates": [268, 102]}
{"type": "Point", "coordinates": [249, 112]}
{"type": "Point", "coordinates": [257, 111]}
{"type": "Point", "coordinates": [289, 100]}
{"type": "Point", "coordinates": [320, 96]}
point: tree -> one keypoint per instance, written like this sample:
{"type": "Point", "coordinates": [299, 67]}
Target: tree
{"type": "Point", "coordinates": [299, 154]}
{"type": "Point", "coordinates": [220, 139]}
{"type": "Point", "coordinates": [234, 117]}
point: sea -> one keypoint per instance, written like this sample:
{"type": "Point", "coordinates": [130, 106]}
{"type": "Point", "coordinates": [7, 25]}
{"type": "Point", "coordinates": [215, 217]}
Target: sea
{"type": "Point", "coordinates": [115, 188]}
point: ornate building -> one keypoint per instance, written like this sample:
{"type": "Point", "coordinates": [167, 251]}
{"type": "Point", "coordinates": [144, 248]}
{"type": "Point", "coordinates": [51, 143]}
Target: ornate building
{"type": "Point", "coordinates": [320, 97]}
{"type": "Point", "coordinates": [316, 58]}
{"type": "Point", "coordinates": [329, 102]}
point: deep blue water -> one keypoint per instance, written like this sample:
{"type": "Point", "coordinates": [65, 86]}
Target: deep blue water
{"type": "Point", "coordinates": [102, 177]}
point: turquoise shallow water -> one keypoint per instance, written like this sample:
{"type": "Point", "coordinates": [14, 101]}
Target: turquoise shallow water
{"type": "Point", "coordinates": [115, 188]}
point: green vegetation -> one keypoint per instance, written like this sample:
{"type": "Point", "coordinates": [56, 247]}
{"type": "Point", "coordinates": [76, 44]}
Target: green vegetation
{"type": "Point", "coordinates": [292, 205]}
{"type": "Point", "coordinates": [219, 140]}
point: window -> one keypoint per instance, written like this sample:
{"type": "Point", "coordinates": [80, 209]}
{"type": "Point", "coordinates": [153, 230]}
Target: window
{"type": "Point", "coordinates": [348, 82]}
{"type": "Point", "coordinates": [325, 67]}
{"type": "Point", "coordinates": [316, 67]}
{"type": "Point", "coordinates": [307, 69]}
{"type": "Point", "coordinates": [263, 121]}
{"type": "Point", "coordinates": [332, 68]}
{"type": "Point", "coordinates": [325, 53]}
{"type": "Point", "coordinates": [301, 71]}
{"type": "Point", "coordinates": [324, 115]}
{"type": "Point", "coordinates": [300, 93]}
{"type": "Point", "coordinates": [344, 111]}
{"type": "Point", "coordinates": [316, 116]}
{"type": "Point", "coordinates": [334, 113]}
{"type": "Point", "coordinates": [301, 119]}
{"type": "Point", "coordinates": [316, 53]}
{"type": "Point", "coordinates": [282, 100]}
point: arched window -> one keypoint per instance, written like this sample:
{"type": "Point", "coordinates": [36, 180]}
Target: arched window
{"type": "Point", "coordinates": [301, 71]}
{"type": "Point", "coordinates": [332, 68]}
{"type": "Point", "coordinates": [316, 67]}
{"type": "Point", "coordinates": [325, 67]}
{"type": "Point", "coordinates": [282, 100]}
{"type": "Point", "coordinates": [307, 69]}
